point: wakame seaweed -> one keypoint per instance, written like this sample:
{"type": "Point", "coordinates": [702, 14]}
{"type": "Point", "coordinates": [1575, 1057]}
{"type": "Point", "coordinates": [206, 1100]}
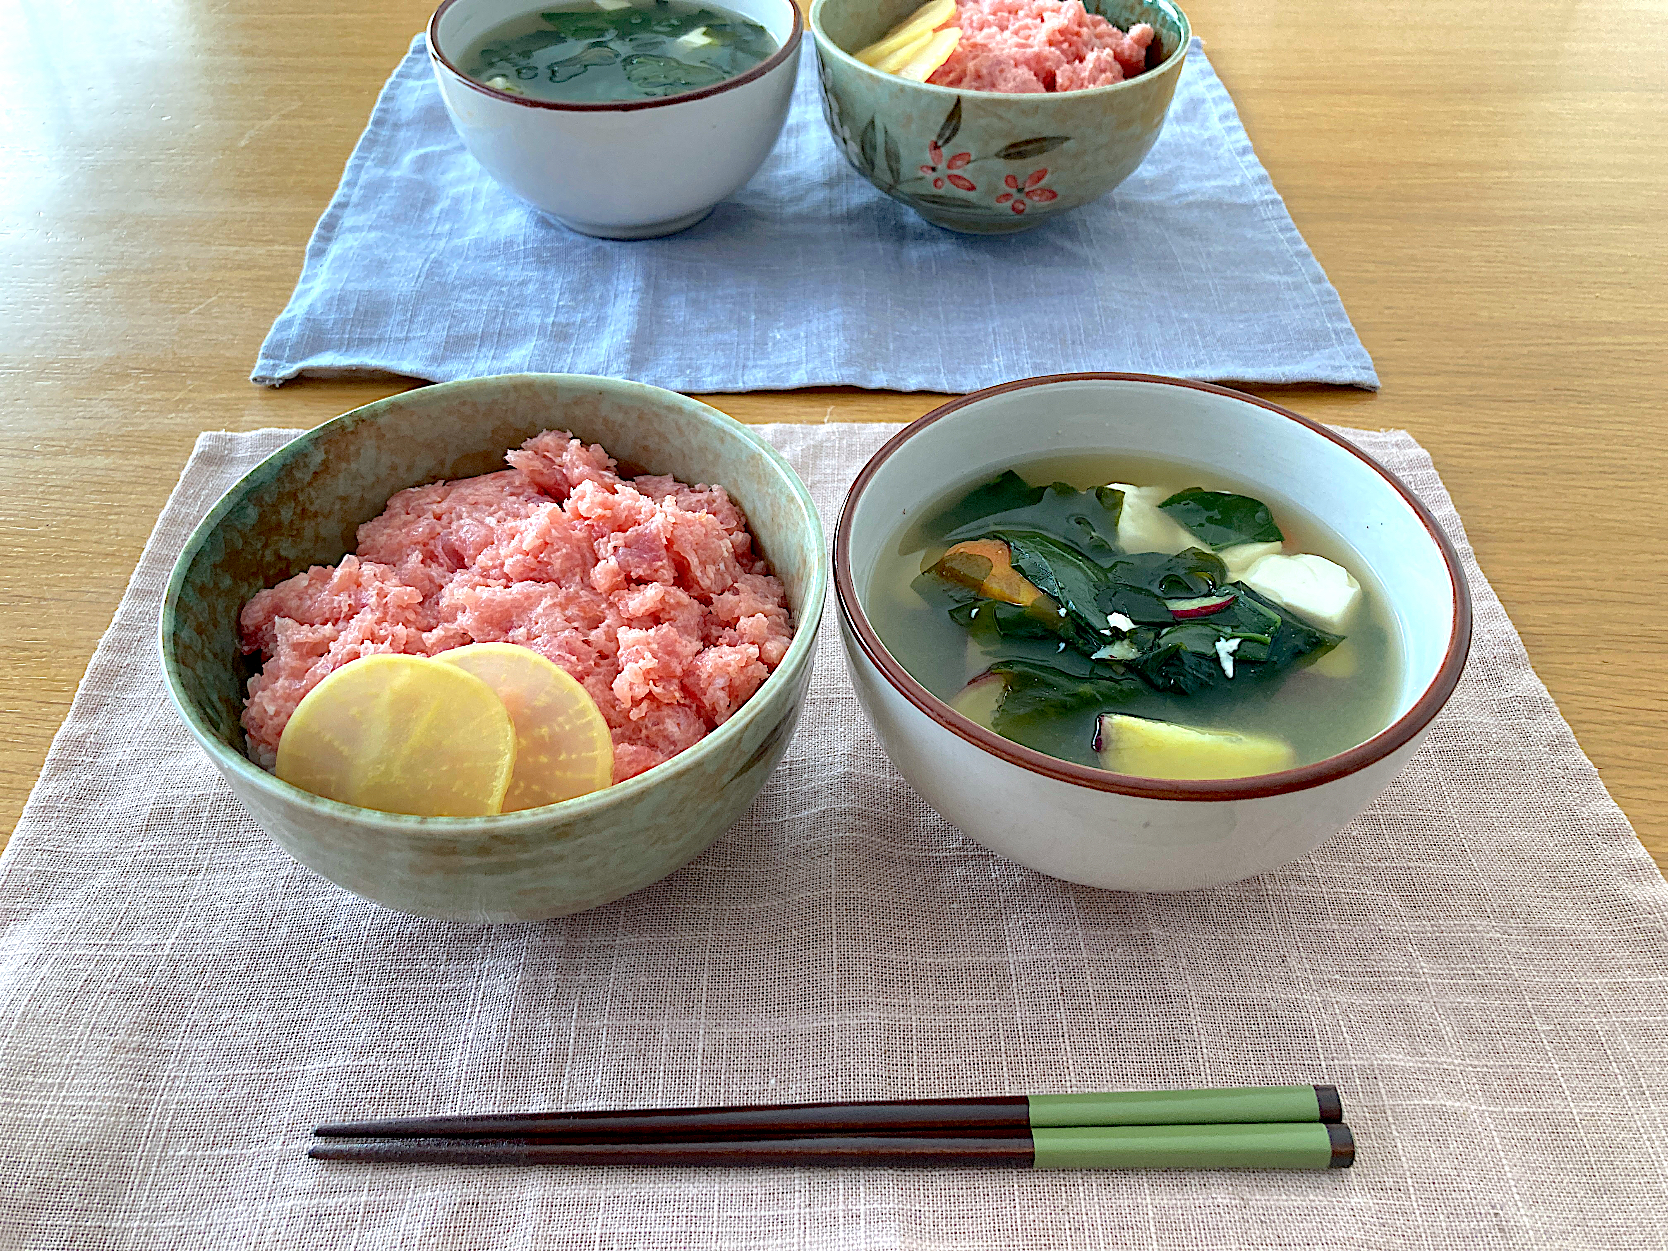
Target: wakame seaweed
{"type": "Point", "coordinates": [990, 620]}
{"type": "Point", "coordinates": [662, 75]}
{"type": "Point", "coordinates": [1222, 519]}
{"type": "Point", "coordinates": [1000, 495]}
{"type": "Point", "coordinates": [1063, 542]}
{"type": "Point", "coordinates": [1067, 576]}
{"type": "Point", "coordinates": [1040, 693]}
{"type": "Point", "coordinates": [1185, 575]}
{"type": "Point", "coordinates": [1088, 518]}
{"type": "Point", "coordinates": [630, 52]}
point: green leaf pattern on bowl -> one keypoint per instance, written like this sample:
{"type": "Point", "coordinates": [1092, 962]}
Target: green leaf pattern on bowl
{"type": "Point", "coordinates": [939, 181]}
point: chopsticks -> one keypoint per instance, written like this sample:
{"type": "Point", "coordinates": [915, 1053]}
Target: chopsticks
{"type": "Point", "coordinates": [1246, 1127]}
{"type": "Point", "coordinates": [997, 1113]}
{"type": "Point", "coordinates": [1295, 1144]}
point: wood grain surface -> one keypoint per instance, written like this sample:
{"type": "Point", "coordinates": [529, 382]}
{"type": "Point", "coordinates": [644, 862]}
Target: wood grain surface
{"type": "Point", "coordinates": [1489, 198]}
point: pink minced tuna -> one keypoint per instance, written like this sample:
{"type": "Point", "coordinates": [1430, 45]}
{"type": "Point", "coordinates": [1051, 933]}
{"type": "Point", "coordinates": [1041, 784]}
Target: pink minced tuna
{"type": "Point", "coordinates": [647, 591]}
{"type": "Point", "coordinates": [1040, 45]}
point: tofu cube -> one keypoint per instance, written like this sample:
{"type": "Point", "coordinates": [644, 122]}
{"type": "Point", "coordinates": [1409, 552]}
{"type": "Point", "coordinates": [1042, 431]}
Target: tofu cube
{"type": "Point", "coordinates": [1341, 662]}
{"type": "Point", "coordinates": [1144, 527]}
{"type": "Point", "coordinates": [697, 38]}
{"type": "Point", "coordinates": [1242, 556]}
{"type": "Point", "coordinates": [1146, 748]}
{"type": "Point", "coordinates": [1312, 587]}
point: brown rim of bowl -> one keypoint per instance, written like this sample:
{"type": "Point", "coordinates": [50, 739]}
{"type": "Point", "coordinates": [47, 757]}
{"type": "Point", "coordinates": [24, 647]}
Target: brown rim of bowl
{"type": "Point", "coordinates": [1397, 734]}
{"type": "Point", "coordinates": [789, 46]}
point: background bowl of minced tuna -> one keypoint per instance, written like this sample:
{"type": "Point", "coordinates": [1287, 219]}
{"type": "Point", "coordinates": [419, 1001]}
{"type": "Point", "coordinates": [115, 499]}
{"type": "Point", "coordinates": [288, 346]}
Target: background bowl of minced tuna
{"type": "Point", "coordinates": [994, 161]}
{"type": "Point", "coordinates": [302, 509]}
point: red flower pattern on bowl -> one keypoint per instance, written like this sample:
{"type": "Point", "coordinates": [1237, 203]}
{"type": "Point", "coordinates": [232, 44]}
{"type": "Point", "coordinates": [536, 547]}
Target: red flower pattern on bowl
{"type": "Point", "coordinates": [1018, 193]}
{"type": "Point", "coordinates": [940, 169]}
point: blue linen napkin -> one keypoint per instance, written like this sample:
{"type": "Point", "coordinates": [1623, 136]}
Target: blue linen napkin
{"type": "Point", "coordinates": [423, 266]}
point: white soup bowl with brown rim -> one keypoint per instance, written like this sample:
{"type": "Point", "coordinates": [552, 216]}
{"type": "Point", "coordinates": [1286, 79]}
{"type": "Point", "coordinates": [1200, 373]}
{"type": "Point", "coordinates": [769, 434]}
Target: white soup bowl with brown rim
{"type": "Point", "coordinates": [1108, 829]}
{"type": "Point", "coordinates": [627, 169]}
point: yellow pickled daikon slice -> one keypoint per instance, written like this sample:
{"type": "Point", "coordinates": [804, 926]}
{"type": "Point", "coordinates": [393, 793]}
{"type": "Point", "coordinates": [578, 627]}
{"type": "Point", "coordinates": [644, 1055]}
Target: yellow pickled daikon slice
{"type": "Point", "coordinates": [929, 58]}
{"type": "Point", "coordinates": [901, 56]}
{"type": "Point", "coordinates": [563, 747]}
{"type": "Point", "coordinates": [401, 734]}
{"type": "Point", "coordinates": [919, 24]}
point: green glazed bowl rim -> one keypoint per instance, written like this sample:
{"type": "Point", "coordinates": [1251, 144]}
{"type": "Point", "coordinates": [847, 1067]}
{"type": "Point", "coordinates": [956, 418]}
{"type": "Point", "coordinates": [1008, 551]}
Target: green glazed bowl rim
{"type": "Point", "coordinates": [1171, 64]}
{"type": "Point", "coordinates": [809, 618]}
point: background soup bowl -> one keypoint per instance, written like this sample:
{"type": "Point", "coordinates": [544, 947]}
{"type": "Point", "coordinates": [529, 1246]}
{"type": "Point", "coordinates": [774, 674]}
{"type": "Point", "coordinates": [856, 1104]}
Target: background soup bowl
{"type": "Point", "coordinates": [1107, 829]}
{"type": "Point", "coordinates": [1061, 149]}
{"type": "Point", "coordinates": [632, 169]}
{"type": "Point", "coordinates": [301, 507]}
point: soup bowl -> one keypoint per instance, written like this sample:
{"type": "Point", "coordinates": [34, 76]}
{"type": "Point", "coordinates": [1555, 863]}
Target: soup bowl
{"type": "Point", "coordinates": [301, 507]}
{"type": "Point", "coordinates": [987, 162]}
{"type": "Point", "coordinates": [630, 169]}
{"type": "Point", "coordinates": [1108, 829]}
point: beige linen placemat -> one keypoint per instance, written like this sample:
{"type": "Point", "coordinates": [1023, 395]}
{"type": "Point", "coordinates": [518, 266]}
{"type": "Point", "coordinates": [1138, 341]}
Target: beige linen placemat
{"type": "Point", "coordinates": [1480, 962]}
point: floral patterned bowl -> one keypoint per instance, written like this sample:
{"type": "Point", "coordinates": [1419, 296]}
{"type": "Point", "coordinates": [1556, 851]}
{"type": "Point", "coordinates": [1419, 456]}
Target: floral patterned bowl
{"type": "Point", "coordinates": [985, 162]}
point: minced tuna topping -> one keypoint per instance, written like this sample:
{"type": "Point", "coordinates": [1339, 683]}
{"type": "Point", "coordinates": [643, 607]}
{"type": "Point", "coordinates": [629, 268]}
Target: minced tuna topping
{"type": "Point", "coordinates": [1040, 45]}
{"type": "Point", "coordinates": [646, 590]}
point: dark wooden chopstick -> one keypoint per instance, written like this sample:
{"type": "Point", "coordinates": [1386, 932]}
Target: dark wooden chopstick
{"type": "Point", "coordinates": [1003, 1114]}
{"type": "Point", "coordinates": [1301, 1145]}
{"type": "Point", "coordinates": [1013, 1152]}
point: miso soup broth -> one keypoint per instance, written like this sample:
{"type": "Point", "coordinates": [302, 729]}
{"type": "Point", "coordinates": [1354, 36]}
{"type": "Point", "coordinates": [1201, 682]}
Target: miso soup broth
{"type": "Point", "coordinates": [610, 50]}
{"type": "Point", "coordinates": [1031, 608]}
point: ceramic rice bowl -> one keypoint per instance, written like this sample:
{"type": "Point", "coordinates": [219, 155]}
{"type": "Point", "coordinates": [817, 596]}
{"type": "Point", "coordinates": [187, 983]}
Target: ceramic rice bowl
{"type": "Point", "coordinates": [1109, 829]}
{"type": "Point", "coordinates": [1017, 160]}
{"type": "Point", "coordinates": [301, 507]}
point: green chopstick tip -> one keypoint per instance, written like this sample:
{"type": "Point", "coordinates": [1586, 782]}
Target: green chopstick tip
{"type": "Point", "coordinates": [1277, 1145]}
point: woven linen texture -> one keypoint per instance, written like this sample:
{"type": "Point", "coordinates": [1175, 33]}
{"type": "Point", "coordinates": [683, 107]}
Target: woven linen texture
{"type": "Point", "coordinates": [1479, 961]}
{"type": "Point", "coordinates": [808, 276]}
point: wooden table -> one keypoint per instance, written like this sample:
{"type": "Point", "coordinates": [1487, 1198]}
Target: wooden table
{"type": "Point", "coordinates": [1491, 212]}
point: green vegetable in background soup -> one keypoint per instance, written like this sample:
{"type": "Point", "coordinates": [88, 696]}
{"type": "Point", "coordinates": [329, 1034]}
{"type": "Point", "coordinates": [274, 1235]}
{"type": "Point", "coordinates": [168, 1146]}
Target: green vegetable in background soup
{"type": "Point", "coordinates": [663, 76]}
{"type": "Point", "coordinates": [574, 66]}
{"type": "Point", "coordinates": [635, 51]}
{"type": "Point", "coordinates": [595, 23]}
{"type": "Point", "coordinates": [1222, 519]}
